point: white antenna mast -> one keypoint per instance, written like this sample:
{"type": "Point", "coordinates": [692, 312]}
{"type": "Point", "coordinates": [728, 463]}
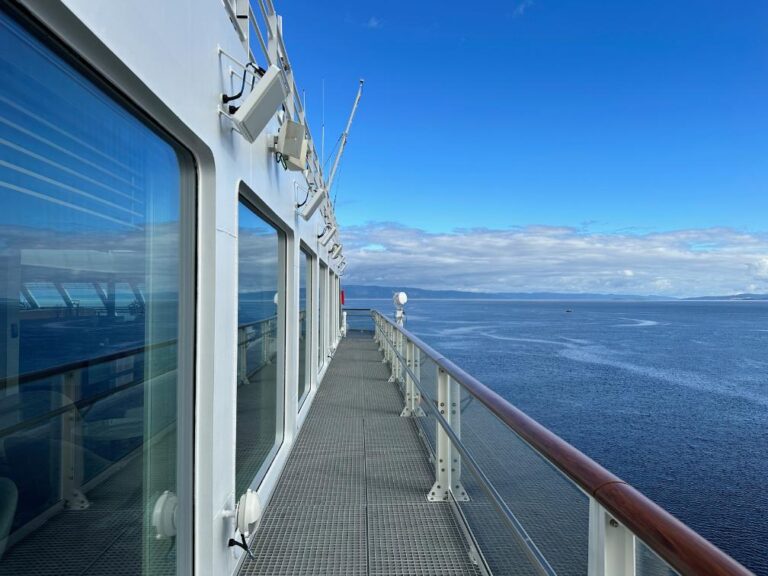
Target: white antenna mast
{"type": "Point", "coordinates": [322, 132]}
{"type": "Point", "coordinates": [344, 136]}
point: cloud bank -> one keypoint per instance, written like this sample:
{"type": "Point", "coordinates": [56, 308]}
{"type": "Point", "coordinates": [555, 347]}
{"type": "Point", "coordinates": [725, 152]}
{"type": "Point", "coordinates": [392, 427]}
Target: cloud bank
{"type": "Point", "coordinates": [559, 259]}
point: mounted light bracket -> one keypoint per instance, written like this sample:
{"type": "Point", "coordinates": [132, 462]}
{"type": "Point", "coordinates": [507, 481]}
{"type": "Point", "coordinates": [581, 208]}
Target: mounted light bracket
{"type": "Point", "coordinates": [291, 143]}
{"type": "Point", "coordinates": [314, 203]}
{"type": "Point", "coordinates": [260, 106]}
{"type": "Point", "coordinates": [328, 236]}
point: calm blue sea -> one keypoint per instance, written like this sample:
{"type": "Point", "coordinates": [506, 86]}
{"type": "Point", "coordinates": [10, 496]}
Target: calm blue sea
{"type": "Point", "coordinates": [671, 396]}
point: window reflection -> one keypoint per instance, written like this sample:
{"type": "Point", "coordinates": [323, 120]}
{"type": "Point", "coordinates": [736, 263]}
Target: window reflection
{"type": "Point", "coordinates": [305, 272]}
{"type": "Point", "coordinates": [259, 389]}
{"type": "Point", "coordinates": [89, 321]}
{"type": "Point", "coordinates": [322, 303]}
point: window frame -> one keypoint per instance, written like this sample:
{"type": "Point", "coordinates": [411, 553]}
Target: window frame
{"type": "Point", "coordinates": [322, 307]}
{"type": "Point", "coordinates": [60, 31]}
{"type": "Point", "coordinates": [248, 198]}
{"type": "Point", "coordinates": [309, 318]}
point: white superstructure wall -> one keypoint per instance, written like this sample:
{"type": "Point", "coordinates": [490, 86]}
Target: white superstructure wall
{"type": "Point", "coordinates": [172, 60]}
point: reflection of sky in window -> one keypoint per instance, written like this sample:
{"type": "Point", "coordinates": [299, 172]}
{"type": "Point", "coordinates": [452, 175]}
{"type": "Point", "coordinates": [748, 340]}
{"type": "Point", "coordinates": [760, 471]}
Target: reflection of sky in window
{"type": "Point", "coordinates": [72, 159]}
{"type": "Point", "coordinates": [89, 193]}
{"type": "Point", "coordinates": [258, 267]}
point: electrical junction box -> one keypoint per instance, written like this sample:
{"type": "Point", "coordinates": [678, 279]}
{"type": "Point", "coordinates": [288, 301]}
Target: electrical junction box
{"type": "Point", "coordinates": [292, 144]}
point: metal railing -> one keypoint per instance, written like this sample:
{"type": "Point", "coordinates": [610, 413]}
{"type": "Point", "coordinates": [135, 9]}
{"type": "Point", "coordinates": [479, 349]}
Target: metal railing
{"type": "Point", "coordinates": [259, 337]}
{"type": "Point", "coordinates": [606, 527]}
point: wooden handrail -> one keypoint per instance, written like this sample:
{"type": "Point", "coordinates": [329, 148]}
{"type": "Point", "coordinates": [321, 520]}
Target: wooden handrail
{"type": "Point", "coordinates": [683, 549]}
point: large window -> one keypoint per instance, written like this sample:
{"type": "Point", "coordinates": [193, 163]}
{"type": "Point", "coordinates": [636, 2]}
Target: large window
{"type": "Point", "coordinates": [96, 296]}
{"type": "Point", "coordinates": [261, 249]}
{"type": "Point", "coordinates": [305, 283]}
{"type": "Point", "coordinates": [321, 312]}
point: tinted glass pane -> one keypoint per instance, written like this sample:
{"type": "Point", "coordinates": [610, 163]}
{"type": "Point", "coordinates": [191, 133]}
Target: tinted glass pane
{"type": "Point", "coordinates": [89, 321]}
{"type": "Point", "coordinates": [323, 280]}
{"type": "Point", "coordinates": [259, 390]}
{"type": "Point", "coordinates": [304, 273]}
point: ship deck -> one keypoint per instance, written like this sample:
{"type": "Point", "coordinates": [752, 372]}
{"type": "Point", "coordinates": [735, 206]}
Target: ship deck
{"type": "Point", "coordinates": [352, 497]}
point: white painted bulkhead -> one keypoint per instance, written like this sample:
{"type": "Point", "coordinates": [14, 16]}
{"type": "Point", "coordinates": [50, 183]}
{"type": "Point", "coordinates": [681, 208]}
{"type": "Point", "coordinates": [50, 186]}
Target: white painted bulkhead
{"type": "Point", "coordinates": [164, 56]}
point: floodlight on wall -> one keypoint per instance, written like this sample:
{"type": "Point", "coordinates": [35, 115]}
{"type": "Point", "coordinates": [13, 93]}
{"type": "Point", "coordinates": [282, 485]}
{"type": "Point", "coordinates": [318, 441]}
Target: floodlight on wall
{"type": "Point", "coordinates": [325, 229]}
{"type": "Point", "coordinates": [336, 251]}
{"type": "Point", "coordinates": [260, 106]}
{"type": "Point", "coordinates": [308, 210]}
{"type": "Point", "coordinates": [328, 236]}
{"type": "Point", "coordinates": [291, 145]}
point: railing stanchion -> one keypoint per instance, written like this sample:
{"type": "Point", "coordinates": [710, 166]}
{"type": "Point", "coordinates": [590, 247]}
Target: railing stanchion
{"type": "Point", "coordinates": [611, 545]}
{"type": "Point", "coordinates": [411, 392]}
{"type": "Point", "coordinates": [383, 346]}
{"type": "Point", "coordinates": [447, 460]}
{"type": "Point", "coordinates": [242, 356]}
{"type": "Point", "coordinates": [454, 418]}
{"type": "Point", "coordinates": [71, 464]}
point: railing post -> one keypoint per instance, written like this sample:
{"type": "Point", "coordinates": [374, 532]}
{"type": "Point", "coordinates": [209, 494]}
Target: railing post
{"type": "Point", "coordinates": [454, 419]}
{"type": "Point", "coordinates": [383, 344]}
{"type": "Point", "coordinates": [242, 356]}
{"type": "Point", "coordinates": [401, 348]}
{"type": "Point", "coordinates": [71, 444]}
{"type": "Point", "coordinates": [611, 545]}
{"type": "Point", "coordinates": [377, 333]}
{"type": "Point", "coordinates": [447, 460]}
{"type": "Point", "coordinates": [411, 392]}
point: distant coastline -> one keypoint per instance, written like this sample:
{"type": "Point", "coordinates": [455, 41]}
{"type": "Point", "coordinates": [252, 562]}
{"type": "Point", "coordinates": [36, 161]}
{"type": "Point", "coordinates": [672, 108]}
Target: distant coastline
{"type": "Point", "coordinates": [359, 291]}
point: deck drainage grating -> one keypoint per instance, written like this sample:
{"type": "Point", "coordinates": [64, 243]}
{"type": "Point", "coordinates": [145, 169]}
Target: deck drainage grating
{"type": "Point", "coordinates": [352, 497]}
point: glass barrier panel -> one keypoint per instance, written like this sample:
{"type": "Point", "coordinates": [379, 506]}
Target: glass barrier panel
{"type": "Point", "coordinates": [550, 508]}
{"type": "Point", "coordinates": [647, 563]}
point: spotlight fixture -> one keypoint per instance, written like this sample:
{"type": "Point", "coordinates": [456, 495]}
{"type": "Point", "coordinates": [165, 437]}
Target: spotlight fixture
{"type": "Point", "coordinates": [291, 145]}
{"type": "Point", "coordinates": [260, 105]}
{"type": "Point", "coordinates": [336, 251]}
{"type": "Point", "coordinates": [315, 202]}
{"type": "Point", "coordinates": [328, 236]}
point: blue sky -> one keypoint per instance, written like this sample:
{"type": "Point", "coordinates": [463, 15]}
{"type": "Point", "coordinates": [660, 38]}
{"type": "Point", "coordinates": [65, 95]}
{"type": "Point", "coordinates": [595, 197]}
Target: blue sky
{"type": "Point", "coordinates": [609, 118]}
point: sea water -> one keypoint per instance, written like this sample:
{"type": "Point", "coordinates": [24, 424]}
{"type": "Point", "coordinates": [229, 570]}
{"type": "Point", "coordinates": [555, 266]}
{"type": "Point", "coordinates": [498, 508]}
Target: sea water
{"type": "Point", "coordinates": [670, 396]}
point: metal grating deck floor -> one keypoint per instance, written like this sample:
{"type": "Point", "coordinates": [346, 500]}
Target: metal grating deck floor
{"type": "Point", "coordinates": [352, 497]}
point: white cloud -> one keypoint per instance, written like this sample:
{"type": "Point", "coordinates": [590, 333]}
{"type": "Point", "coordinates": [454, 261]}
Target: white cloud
{"type": "Point", "coordinates": [548, 258]}
{"type": "Point", "coordinates": [759, 267]}
{"type": "Point", "coordinates": [521, 7]}
{"type": "Point", "coordinates": [374, 22]}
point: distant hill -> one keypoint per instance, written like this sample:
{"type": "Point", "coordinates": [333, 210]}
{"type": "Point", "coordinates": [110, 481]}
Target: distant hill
{"type": "Point", "coordinates": [356, 291]}
{"type": "Point", "coordinates": [732, 297]}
